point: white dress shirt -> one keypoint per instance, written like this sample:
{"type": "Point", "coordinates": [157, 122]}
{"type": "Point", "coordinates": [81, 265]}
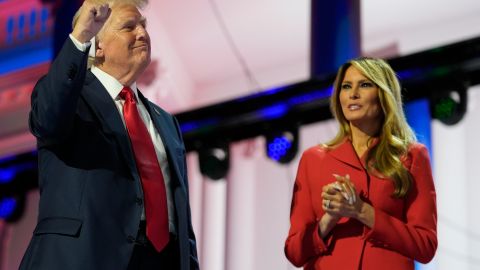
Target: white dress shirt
{"type": "Point", "coordinates": [114, 87]}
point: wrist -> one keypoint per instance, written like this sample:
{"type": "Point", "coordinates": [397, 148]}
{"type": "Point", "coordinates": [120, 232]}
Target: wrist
{"type": "Point", "coordinates": [326, 223]}
{"type": "Point", "coordinates": [82, 36]}
{"type": "Point", "coordinates": [366, 215]}
{"type": "Point", "coordinates": [330, 218]}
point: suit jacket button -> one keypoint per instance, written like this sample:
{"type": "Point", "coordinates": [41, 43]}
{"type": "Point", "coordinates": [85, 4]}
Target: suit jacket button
{"type": "Point", "coordinates": [139, 201]}
{"type": "Point", "coordinates": [130, 239]}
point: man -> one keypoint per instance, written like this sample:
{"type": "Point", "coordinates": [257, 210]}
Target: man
{"type": "Point", "coordinates": [113, 181]}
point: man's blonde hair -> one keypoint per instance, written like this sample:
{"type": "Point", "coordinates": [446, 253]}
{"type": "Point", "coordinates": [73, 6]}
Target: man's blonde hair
{"type": "Point", "coordinates": [140, 4]}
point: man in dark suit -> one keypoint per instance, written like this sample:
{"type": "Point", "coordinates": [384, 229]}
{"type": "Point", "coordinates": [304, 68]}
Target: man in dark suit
{"type": "Point", "coordinates": [112, 170]}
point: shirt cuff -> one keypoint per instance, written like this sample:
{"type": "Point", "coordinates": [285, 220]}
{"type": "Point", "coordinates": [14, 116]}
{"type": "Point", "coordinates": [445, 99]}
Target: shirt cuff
{"type": "Point", "coordinates": [80, 46]}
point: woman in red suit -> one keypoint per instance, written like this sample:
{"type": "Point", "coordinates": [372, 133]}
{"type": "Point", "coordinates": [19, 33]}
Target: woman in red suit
{"type": "Point", "coordinates": [366, 199]}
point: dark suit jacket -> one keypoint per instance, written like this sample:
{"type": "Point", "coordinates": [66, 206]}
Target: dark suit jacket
{"type": "Point", "coordinates": [405, 229]}
{"type": "Point", "coordinates": [90, 190]}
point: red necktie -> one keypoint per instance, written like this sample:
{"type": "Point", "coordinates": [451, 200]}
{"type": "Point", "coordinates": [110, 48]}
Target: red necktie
{"type": "Point", "coordinates": [150, 173]}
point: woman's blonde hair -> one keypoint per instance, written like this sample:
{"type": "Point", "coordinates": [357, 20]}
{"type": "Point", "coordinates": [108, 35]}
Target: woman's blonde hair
{"type": "Point", "coordinates": [140, 4]}
{"type": "Point", "coordinates": [395, 134]}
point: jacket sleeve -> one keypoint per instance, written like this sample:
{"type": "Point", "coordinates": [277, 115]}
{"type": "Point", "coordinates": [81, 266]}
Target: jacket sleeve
{"type": "Point", "coordinates": [54, 98]}
{"type": "Point", "coordinates": [416, 237]}
{"type": "Point", "coordinates": [194, 263]}
{"type": "Point", "coordinates": [303, 242]}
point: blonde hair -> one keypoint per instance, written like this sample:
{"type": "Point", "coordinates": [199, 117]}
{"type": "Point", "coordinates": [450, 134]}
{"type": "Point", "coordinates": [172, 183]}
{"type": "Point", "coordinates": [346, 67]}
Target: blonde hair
{"type": "Point", "coordinates": [140, 4]}
{"type": "Point", "coordinates": [395, 134]}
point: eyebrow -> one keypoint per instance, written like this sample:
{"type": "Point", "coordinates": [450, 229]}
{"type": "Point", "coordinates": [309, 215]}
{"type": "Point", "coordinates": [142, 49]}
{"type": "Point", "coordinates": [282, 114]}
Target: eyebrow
{"type": "Point", "coordinates": [361, 81]}
{"type": "Point", "coordinates": [133, 20]}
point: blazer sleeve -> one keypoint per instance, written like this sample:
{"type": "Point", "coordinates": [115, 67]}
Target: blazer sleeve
{"type": "Point", "coordinates": [194, 263]}
{"type": "Point", "coordinates": [416, 237]}
{"type": "Point", "coordinates": [303, 242]}
{"type": "Point", "coordinates": [54, 98]}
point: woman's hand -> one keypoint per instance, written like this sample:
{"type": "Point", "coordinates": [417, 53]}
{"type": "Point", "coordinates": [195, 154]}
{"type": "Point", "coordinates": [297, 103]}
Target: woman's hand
{"type": "Point", "coordinates": [340, 199]}
{"type": "Point", "coordinates": [329, 219]}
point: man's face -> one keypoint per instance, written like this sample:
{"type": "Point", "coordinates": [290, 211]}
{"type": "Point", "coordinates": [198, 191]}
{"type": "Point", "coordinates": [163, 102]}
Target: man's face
{"type": "Point", "coordinates": [124, 43]}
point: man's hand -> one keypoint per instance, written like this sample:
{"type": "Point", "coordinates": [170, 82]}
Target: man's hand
{"type": "Point", "coordinates": [91, 19]}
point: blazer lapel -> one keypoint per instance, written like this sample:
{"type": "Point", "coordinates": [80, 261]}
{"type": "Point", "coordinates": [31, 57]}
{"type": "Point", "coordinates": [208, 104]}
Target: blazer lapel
{"type": "Point", "coordinates": [346, 154]}
{"type": "Point", "coordinates": [104, 107]}
{"type": "Point", "coordinates": [168, 139]}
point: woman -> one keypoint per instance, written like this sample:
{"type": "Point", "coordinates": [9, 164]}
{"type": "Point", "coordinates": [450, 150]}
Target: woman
{"type": "Point", "coordinates": [366, 199]}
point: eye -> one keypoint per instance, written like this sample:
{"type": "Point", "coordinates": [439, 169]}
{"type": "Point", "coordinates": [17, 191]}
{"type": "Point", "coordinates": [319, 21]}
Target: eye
{"type": "Point", "coordinates": [128, 27]}
{"type": "Point", "coordinates": [366, 84]}
{"type": "Point", "coordinates": [346, 86]}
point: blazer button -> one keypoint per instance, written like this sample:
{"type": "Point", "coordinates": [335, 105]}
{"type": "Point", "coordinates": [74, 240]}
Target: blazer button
{"type": "Point", "coordinates": [130, 239]}
{"type": "Point", "coordinates": [139, 201]}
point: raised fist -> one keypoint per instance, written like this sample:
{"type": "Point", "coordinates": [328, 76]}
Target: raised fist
{"type": "Point", "coordinates": [91, 19]}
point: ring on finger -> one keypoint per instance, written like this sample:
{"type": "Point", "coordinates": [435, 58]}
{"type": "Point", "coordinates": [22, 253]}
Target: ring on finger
{"type": "Point", "coordinates": [327, 204]}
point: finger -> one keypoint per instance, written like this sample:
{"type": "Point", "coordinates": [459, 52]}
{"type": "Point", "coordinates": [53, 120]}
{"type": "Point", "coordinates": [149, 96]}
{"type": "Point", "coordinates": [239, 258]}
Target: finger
{"type": "Point", "coordinates": [328, 205]}
{"type": "Point", "coordinates": [354, 192]}
{"type": "Point", "coordinates": [338, 177]}
{"type": "Point", "coordinates": [92, 10]}
{"type": "Point", "coordinates": [341, 188]}
{"type": "Point", "coordinates": [331, 190]}
{"type": "Point", "coordinates": [327, 196]}
{"type": "Point", "coordinates": [351, 189]}
{"type": "Point", "coordinates": [103, 12]}
{"type": "Point", "coordinates": [327, 188]}
{"type": "Point", "coordinates": [324, 207]}
{"type": "Point", "coordinates": [337, 186]}
{"type": "Point", "coordinates": [348, 192]}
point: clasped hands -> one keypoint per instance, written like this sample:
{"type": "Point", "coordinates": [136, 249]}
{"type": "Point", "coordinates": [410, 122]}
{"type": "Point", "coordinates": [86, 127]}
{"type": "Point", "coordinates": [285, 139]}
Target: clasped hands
{"type": "Point", "coordinates": [340, 199]}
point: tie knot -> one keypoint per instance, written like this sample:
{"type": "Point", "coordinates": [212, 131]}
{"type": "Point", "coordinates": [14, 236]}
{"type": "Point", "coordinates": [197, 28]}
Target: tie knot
{"type": "Point", "coordinates": [127, 94]}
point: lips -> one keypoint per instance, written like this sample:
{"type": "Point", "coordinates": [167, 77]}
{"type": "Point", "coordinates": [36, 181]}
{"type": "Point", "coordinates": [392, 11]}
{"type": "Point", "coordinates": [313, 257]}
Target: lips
{"type": "Point", "coordinates": [141, 46]}
{"type": "Point", "coordinates": [354, 107]}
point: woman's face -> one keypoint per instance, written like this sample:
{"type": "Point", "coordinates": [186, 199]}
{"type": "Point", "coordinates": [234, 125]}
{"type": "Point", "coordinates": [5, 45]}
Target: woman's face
{"type": "Point", "coordinates": [359, 99]}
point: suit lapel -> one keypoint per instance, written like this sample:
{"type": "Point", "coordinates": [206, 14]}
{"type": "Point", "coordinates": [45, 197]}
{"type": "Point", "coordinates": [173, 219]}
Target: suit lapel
{"type": "Point", "coordinates": [104, 107]}
{"type": "Point", "coordinates": [168, 137]}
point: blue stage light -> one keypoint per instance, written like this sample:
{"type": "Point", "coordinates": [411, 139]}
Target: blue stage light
{"type": "Point", "coordinates": [278, 148]}
{"type": "Point", "coordinates": [7, 207]}
{"type": "Point", "coordinates": [7, 175]}
{"type": "Point", "coordinates": [282, 146]}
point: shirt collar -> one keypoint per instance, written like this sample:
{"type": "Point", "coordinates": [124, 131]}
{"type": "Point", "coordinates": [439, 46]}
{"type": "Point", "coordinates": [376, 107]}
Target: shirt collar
{"type": "Point", "coordinates": [113, 86]}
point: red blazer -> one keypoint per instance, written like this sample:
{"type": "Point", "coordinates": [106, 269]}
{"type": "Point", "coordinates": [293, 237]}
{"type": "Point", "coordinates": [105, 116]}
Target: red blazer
{"type": "Point", "coordinates": [404, 230]}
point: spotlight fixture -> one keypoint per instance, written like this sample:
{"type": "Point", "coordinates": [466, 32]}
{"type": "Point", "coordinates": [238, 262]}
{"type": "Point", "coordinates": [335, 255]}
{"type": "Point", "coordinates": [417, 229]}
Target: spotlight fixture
{"type": "Point", "coordinates": [11, 208]}
{"type": "Point", "coordinates": [282, 146]}
{"type": "Point", "coordinates": [7, 207]}
{"type": "Point", "coordinates": [215, 161]}
{"type": "Point", "coordinates": [450, 106]}
{"type": "Point", "coordinates": [18, 175]}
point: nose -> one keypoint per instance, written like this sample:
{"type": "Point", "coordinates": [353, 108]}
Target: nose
{"type": "Point", "coordinates": [355, 93]}
{"type": "Point", "coordinates": [142, 33]}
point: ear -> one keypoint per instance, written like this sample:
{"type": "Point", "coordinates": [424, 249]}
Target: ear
{"type": "Point", "coordinates": [100, 52]}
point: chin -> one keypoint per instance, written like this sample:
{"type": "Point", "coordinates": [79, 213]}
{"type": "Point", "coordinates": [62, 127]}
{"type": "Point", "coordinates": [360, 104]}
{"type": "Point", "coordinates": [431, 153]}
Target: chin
{"type": "Point", "coordinates": [144, 62]}
{"type": "Point", "coordinates": [354, 117]}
